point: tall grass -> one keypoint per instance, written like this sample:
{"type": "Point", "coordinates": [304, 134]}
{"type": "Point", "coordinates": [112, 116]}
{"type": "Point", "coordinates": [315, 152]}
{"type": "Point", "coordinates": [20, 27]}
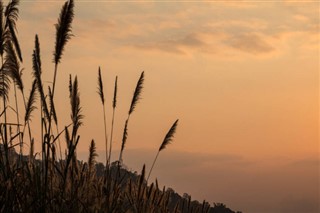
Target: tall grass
{"type": "Point", "coordinates": [167, 139]}
{"type": "Point", "coordinates": [101, 94]}
{"type": "Point", "coordinates": [134, 102]}
{"type": "Point", "coordinates": [42, 182]}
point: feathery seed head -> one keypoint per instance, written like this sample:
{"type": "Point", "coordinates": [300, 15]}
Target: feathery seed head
{"type": "Point", "coordinates": [169, 136]}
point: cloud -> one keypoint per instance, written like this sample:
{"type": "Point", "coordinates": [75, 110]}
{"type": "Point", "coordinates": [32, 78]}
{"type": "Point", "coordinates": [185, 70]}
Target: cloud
{"type": "Point", "coordinates": [37, 10]}
{"type": "Point", "coordinates": [251, 43]}
{"type": "Point", "coordinates": [183, 30]}
{"type": "Point", "coordinates": [234, 45]}
{"type": "Point", "coordinates": [233, 25]}
{"type": "Point", "coordinates": [212, 43]}
{"type": "Point", "coordinates": [180, 45]}
{"type": "Point", "coordinates": [92, 26]}
{"type": "Point", "coordinates": [240, 4]}
{"type": "Point", "coordinates": [305, 42]}
{"type": "Point", "coordinates": [301, 18]}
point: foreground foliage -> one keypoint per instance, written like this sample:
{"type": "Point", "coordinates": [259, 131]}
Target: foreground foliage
{"type": "Point", "coordinates": [50, 184]}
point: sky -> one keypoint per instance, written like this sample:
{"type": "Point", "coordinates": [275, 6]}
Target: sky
{"type": "Point", "coordinates": [242, 77]}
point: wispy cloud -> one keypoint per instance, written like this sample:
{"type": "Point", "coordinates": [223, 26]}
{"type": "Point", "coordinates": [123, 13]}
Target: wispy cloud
{"type": "Point", "coordinates": [250, 43]}
{"type": "Point", "coordinates": [240, 4]}
{"type": "Point", "coordinates": [219, 44]}
{"type": "Point", "coordinates": [187, 30]}
{"type": "Point", "coordinates": [179, 45]}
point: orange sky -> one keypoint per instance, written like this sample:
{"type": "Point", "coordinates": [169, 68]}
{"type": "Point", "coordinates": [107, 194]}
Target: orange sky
{"type": "Point", "coordinates": [242, 77]}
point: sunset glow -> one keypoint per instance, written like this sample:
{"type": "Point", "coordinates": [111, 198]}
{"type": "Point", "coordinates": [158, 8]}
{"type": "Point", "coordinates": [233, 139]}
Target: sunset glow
{"type": "Point", "coordinates": [242, 77]}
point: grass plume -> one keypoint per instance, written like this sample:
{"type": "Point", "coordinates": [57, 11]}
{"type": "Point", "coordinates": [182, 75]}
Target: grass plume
{"type": "Point", "coordinates": [52, 107]}
{"type": "Point", "coordinates": [114, 105]}
{"type": "Point", "coordinates": [12, 66]}
{"type": "Point", "coordinates": [100, 86]}
{"type": "Point", "coordinates": [92, 155]}
{"type": "Point", "coordinates": [137, 93]}
{"type": "Point", "coordinates": [135, 99]}
{"type": "Point", "coordinates": [63, 35]}
{"type": "Point", "coordinates": [31, 102]}
{"type": "Point", "coordinates": [124, 139]}
{"type": "Point", "coordinates": [12, 14]}
{"type": "Point", "coordinates": [114, 102]}
{"type": "Point", "coordinates": [76, 115]}
{"type": "Point", "coordinates": [169, 136]}
{"type": "Point", "coordinates": [63, 29]}
{"type": "Point", "coordinates": [2, 30]}
{"type": "Point", "coordinates": [37, 75]}
{"type": "Point", "coordinates": [4, 84]}
{"type": "Point", "coordinates": [101, 94]}
{"type": "Point", "coordinates": [167, 140]}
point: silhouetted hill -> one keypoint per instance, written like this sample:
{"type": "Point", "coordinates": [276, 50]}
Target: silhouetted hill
{"type": "Point", "coordinates": [174, 200]}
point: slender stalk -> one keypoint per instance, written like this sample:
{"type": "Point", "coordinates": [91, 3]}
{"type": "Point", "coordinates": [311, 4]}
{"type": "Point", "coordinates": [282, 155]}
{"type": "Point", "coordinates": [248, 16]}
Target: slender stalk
{"type": "Point", "coordinates": [27, 122]}
{"type": "Point", "coordinates": [59, 142]}
{"type": "Point", "coordinates": [18, 120]}
{"type": "Point", "coordinates": [167, 140]}
{"type": "Point", "coordinates": [43, 153]}
{"type": "Point", "coordinates": [5, 139]}
{"type": "Point", "coordinates": [51, 109]}
{"type": "Point", "coordinates": [135, 99]}
{"type": "Point", "coordinates": [4, 104]}
{"type": "Point", "coordinates": [54, 78]}
{"type": "Point", "coordinates": [105, 133]}
{"type": "Point", "coordinates": [124, 137]}
{"type": "Point", "coordinates": [111, 135]}
{"type": "Point", "coordinates": [155, 159]}
{"type": "Point", "coordinates": [101, 94]}
{"type": "Point", "coordinates": [114, 104]}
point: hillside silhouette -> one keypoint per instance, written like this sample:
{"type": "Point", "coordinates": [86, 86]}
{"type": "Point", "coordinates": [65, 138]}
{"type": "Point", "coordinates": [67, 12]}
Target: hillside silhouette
{"type": "Point", "coordinates": [174, 201]}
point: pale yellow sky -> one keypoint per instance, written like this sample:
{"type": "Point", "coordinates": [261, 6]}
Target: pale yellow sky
{"type": "Point", "coordinates": [243, 78]}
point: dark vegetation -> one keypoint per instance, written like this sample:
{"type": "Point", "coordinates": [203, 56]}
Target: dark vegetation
{"type": "Point", "coordinates": [50, 184]}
